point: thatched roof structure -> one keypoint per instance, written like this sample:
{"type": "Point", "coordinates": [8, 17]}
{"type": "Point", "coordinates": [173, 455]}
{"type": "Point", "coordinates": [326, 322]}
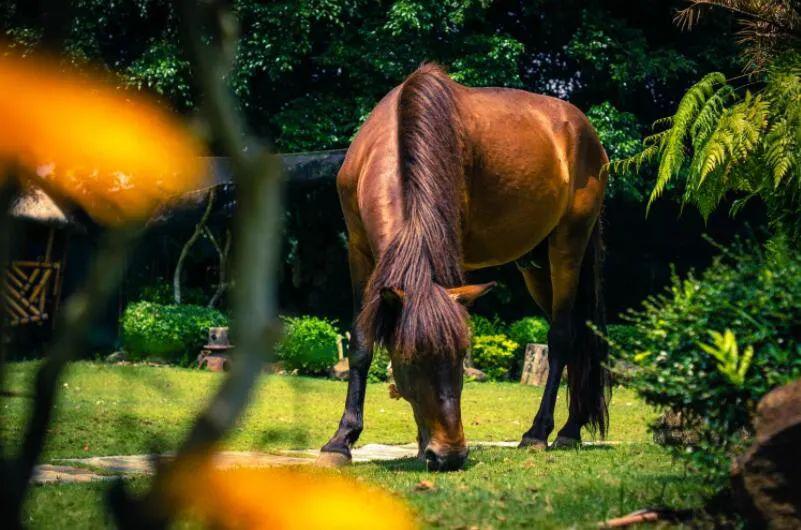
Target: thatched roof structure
{"type": "Point", "coordinates": [33, 204]}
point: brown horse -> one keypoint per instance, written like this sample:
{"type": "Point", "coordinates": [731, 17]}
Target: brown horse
{"type": "Point", "coordinates": [443, 179]}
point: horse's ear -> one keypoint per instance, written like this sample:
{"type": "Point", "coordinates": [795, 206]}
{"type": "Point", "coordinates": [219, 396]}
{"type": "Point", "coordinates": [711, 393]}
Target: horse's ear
{"type": "Point", "coordinates": [392, 296]}
{"type": "Point", "coordinates": [467, 294]}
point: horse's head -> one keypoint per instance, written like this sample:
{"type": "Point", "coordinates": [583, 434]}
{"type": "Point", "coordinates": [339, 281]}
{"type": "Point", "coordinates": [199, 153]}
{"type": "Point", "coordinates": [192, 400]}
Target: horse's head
{"type": "Point", "coordinates": [432, 337]}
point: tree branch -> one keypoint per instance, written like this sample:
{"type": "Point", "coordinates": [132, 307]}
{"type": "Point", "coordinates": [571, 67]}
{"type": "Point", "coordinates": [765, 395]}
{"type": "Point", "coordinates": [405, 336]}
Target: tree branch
{"type": "Point", "coordinates": [201, 224]}
{"type": "Point", "coordinates": [222, 254]}
{"type": "Point", "coordinates": [257, 233]}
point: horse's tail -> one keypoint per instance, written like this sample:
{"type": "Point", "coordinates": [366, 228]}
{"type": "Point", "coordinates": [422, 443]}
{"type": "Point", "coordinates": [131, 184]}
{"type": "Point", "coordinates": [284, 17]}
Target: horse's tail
{"type": "Point", "coordinates": [425, 254]}
{"type": "Point", "coordinates": [589, 382]}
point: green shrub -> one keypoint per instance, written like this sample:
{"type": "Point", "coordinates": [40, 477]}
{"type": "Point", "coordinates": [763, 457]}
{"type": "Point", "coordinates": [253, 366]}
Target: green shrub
{"type": "Point", "coordinates": [621, 336]}
{"type": "Point", "coordinates": [378, 368]}
{"type": "Point", "coordinates": [685, 351]}
{"type": "Point", "coordinates": [174, 333]}
{"type": "Point", "coordinates": [480, 325]}
{"type": "Point", "coordinates": [529, 330]}
{"type": "Point", "coordinates": [493, 355]}
{"type": "Point", "coordinates": [309, 345]}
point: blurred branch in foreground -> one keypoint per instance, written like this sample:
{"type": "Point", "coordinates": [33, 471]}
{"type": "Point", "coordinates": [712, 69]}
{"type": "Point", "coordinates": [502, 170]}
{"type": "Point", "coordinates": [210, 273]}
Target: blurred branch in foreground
{"type": "Point", "coordinates": [257, 238]}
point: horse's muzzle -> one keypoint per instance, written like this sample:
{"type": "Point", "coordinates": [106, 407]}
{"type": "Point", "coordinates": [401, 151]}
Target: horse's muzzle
{"type": "Point", "coordinates": [450, 461]}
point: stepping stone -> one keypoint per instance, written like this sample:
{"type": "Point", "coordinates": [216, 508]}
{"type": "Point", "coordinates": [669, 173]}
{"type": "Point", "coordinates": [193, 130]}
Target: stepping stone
{"type": "Point", "coordinates": [48, 474]}
{"type": "Point", "coordinates": [126, 465]}
{"type": "Point", "coordinates": [146, 464]}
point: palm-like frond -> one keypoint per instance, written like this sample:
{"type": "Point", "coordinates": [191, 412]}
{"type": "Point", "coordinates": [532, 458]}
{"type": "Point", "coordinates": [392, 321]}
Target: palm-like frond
{"type": "Point", "coordinates": [722, 141]}
{"type": "Point", "coordinates": [671, 145]}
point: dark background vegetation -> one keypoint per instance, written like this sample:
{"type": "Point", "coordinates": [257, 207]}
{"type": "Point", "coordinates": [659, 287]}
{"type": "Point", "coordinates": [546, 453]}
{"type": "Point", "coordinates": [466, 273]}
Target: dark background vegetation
{"type": "Point", "coordinates": [308, 72]}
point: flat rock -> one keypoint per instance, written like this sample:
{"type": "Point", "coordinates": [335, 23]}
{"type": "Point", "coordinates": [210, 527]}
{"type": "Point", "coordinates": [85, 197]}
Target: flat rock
{"type": "Point", "coordinates": [475, 374]}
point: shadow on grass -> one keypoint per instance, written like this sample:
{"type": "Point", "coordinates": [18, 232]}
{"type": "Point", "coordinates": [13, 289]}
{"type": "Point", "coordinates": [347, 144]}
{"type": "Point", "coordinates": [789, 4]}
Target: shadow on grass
{"type": "Point", "coordinates": [579, 449]}
{"type": "Point", "coordinates": [284, 437]}
{"type": "Point", "coordinates": [409, 464]}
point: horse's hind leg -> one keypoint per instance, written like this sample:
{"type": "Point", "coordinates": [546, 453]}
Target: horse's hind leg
{"type": "Point", "coordinates": [565, 252]}
{"type": "Point", "coordinates": [337, 451]}
{"type": "Point", "coordinates": [536, 274]}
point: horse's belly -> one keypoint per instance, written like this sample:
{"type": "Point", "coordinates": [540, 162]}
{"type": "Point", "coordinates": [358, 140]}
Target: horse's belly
{"type": "Point", "coordinates": [503, 228]}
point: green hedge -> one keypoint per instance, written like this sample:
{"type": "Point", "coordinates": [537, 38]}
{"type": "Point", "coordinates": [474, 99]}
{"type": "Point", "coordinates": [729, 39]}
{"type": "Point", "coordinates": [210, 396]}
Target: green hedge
{"type": "Point", "coordinates": [493, 355]}
{"type": "Point", "coordinates": [714, 344]}
{"type": "Point", "coordinates": [309, 345]}
{"type": "Point", "coordinates": [173, 333]}
{"type": "Point", "coordinates": [529, 330]}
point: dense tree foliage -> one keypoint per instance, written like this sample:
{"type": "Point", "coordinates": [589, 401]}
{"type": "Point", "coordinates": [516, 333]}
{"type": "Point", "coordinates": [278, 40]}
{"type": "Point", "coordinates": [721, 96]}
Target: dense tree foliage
{"type": "Point", "coordinates": [307, 72]}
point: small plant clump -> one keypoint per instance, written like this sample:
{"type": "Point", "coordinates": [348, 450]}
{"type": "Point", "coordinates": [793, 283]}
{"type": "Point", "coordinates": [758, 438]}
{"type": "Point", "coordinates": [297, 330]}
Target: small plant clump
{"type": "Point", "coordinates": [309, 345]}
{"type": "Point", "coordinates": [481, 325]}
{"type": "Point", "coordinates": [529, 330]}
{"type": "Point", "coordinates": [379, 368]}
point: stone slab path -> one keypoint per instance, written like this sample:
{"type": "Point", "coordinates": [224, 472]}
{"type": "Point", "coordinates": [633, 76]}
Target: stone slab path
{"type": "Point", "coordinates": [72, 470]}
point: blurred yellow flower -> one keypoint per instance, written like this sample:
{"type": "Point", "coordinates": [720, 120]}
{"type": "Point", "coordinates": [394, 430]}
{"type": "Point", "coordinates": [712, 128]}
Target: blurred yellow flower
{"type": "Point", "coordinates": [115, 153]}
{"type": "Point", "coordinates": [280, 498]}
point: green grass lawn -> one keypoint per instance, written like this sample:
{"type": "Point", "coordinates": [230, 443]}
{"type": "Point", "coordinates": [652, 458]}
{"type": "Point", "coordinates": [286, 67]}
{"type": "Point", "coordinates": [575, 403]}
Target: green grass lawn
{"type": "Point", "coordinates": [106, 410]}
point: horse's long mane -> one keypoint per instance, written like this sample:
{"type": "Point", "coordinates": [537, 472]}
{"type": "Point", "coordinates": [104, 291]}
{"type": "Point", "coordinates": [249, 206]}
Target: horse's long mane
{"type": "Point", "coordinates": [425, 255]}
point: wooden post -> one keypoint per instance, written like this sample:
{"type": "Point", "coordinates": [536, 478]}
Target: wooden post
{"type": "Point", "coordinates": [535, 365]}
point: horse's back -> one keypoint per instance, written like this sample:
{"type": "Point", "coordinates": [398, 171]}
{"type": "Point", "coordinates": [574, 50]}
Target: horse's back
{"type": "Point", "coordinates": [531, 155]}
{"type": "Point", "coordinates": [526, 156]}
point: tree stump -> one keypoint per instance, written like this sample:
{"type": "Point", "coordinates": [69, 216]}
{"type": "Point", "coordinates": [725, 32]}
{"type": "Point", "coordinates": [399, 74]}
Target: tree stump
{"type": "Point", "coordinates": [341, 370]}
{"type": "Point", "coordinates": [535, 365]}
{"type": "Point", "coordinates": [766, 479]}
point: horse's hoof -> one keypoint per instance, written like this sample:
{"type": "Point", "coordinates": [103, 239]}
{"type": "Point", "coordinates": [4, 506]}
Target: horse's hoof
{"type": "Point", "coordinates": [330, 459]}
{"type": "Point", "coordinates": [533, 444]}
{"type": "Point", "coordinates": [563, 442]}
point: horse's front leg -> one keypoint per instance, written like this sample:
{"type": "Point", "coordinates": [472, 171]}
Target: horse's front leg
{"type": "Point", "coordinates": [337, 451]}
{"type": "Point", "coordinates": [559, 346]}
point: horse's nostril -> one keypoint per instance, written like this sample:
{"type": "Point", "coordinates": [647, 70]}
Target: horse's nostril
{"type": "Point", "coordinates": [430, 454]}
{"type": "Point", "coordinates": [449, 462]}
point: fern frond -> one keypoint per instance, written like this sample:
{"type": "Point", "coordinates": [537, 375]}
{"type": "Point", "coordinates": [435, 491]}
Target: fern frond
{"type": "Point", "coordinates": [780, 150]}
{"type": "Point", "coordinates": [635, 162]}
{"type": "Point", "coordinates": [736, 135]}
{"type": "Point", "coordinates": [661, 122]}
{"type": "Point", "coordinates": [710, 114]}
{"type": "Point", "coordinates": [673, 145]}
